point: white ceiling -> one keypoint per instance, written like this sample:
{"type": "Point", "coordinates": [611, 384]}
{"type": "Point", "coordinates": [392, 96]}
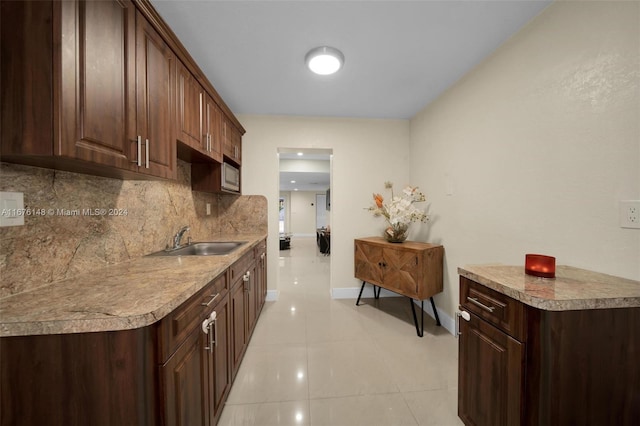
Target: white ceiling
{"type": "Point", "coordinates": [400, 55]}
{"type": "Point", "coordinates": [302, 179]}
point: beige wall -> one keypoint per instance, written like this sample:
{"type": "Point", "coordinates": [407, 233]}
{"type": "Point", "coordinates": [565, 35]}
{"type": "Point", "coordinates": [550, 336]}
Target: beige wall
{"type": "Point", "coordinates": [365, 154]}
{"type": "Point", "coordinates": [537, 146]}
{"type": "Point", "coordinates": [303, 213]}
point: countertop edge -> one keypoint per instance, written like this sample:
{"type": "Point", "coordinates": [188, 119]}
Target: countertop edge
{"type": "Point", "coordinates": [612, 302]}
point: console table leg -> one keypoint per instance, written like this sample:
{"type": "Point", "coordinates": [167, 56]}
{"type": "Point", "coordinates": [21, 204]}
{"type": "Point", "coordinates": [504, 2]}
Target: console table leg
{"type": "Point", "coordinates": [376, 295]}
{"type": "Point", "coordinates": [360, 295]}
{"type": "Point", "coordinates": [419, 331]}
{"type": "Point", "coordinates": [435, 311]}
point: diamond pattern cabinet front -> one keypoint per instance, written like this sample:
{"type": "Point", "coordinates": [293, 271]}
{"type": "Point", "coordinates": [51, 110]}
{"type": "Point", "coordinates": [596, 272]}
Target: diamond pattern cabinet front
{"type": "Point", "coordinates": [411, 268]}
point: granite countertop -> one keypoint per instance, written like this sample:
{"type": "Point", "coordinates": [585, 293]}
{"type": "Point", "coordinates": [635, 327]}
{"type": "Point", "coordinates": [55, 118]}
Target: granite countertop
{"type": "Point", "coordinates": [128, 295]}
{"type": "Point", "coordinates": [571, 289]}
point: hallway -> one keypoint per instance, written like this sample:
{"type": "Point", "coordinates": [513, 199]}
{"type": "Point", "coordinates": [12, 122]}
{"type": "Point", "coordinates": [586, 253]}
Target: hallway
{"type": "Point", "coordinates": [314, 360]}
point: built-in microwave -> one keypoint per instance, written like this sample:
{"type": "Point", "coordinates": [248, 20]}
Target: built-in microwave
{"type": "Point", "coordinates": [230, 177]}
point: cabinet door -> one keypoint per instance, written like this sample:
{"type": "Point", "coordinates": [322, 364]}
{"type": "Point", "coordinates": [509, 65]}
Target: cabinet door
{"type": "Point", "coordinates": [251, 300]}
{"type": "Point", "coordinates": [185, 382]}
{"type": "Point", "coordinates": [155, 72]}
{"type": "Point", "coordinates": [220, 360]}
{"type": "Point", "coordinates": [262, 276]}
{"type": "Point", "coordinates": [237, 326]}
{"type": "Point", "coordinates": [232, 140]}
{"type": "Point", "coordinates": [97, 82]}
{"type": "Point", "coordinates": [368, 263]}
{"type": "Point", "coordinates": [212, 129]}
{"type": "Point", "coordinates": [490, 375]}
{"type": "Point", "coordinates": [401, 270]}
{"type": "Point", "coordinates": [190, 98]}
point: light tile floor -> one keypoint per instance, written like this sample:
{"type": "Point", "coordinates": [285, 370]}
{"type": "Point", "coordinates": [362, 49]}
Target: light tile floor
{"type": "Point", "coordinates": [317, 361]}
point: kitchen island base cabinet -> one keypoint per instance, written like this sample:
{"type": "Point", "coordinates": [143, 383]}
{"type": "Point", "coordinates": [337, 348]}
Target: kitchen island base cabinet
{"type": "Point", "coordinates": [520, 365]}
{"type": "Point", "coordinates": [491, 373]}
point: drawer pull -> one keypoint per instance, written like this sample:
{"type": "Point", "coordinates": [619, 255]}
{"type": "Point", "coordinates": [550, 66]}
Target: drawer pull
{"type": "Point", "coordinates": [480, 304]}
{"type": "Point", "coordinates": [213, 297]}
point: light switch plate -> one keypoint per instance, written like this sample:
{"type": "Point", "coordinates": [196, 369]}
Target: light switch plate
{"type": "Point", "coordinates": [11, 209]}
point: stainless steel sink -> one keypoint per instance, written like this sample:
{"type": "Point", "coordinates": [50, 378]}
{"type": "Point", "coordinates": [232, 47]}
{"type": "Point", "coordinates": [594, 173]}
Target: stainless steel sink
{"type": "Point", "coordinates": [214, 248]}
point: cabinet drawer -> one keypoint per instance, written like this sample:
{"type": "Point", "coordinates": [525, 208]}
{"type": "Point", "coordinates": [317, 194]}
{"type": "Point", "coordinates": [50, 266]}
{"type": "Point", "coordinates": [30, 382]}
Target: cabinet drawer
{"type": "Point", "coordinates": [496, 308]}
{"type": "Point", "coordinates": [176, 326]}
{"type": "Point", "coordinates": [260, 248]}
{"type": "Point", "coordinates": [242, 265]}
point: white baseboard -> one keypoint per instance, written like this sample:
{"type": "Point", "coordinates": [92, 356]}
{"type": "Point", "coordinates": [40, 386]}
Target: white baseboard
{"type": "Point", "coordinates": [272, 295]}
{"type": "Point", "coordinates": [352, 293]}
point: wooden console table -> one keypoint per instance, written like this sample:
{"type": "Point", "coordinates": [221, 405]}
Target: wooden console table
{"type": "Point", "coordinates": [411, 269]}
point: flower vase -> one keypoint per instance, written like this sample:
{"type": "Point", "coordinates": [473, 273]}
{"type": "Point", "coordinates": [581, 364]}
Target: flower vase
{"type": "Point", "coordinates": [396, 233]}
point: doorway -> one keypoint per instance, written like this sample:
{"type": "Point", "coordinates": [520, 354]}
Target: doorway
{"type": "Point", "coordinates": [304, 191]}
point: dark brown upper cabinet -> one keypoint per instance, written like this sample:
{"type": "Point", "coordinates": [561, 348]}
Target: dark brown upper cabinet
{"type": "Point", "coordinates": [106, 88]}
{"type": "Point", "coordinates": [85, 85]}
{"type": "Point", "coordinates": [198, 120]}
{"type": "Point", "coordinates": [155, 72]}
{"type": "Point", "coordinates": [232, 139]}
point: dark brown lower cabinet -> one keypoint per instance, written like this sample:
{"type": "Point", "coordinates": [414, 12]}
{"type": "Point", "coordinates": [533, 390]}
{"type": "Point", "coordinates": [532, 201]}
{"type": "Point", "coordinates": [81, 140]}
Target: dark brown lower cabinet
{"type": "Point", "coordinates": [80, 379]}
{"type": "Point", "coordinates": [168, 373]}
{"type": "Point", "coordinates": [185, 380]}
{"type": "Point", "coordinates": [220, 361]}
{"type": "Point", "coordinates": [491, 372]}
{"type": "Point", "coordinates": [238, 329]}
{"type": "Point", "coordinates": [519, 365]}
{"type": "Point", "coordinates": [196, 379]}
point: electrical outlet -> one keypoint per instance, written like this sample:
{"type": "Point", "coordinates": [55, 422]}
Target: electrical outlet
{"type": "Point", "coordinates": [12, 211]}
{"type": "Point", "coordinates": [630, 214]}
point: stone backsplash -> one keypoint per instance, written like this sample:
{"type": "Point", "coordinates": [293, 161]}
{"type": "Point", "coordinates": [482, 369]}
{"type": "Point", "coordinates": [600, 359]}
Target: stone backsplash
{"type": "Point", "coordinates": [79, 223]}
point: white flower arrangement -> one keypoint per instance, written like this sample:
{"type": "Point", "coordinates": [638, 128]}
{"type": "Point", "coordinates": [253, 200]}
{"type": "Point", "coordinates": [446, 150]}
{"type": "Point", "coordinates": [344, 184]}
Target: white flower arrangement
{"type": "Point", "coordinates": [399, 211]}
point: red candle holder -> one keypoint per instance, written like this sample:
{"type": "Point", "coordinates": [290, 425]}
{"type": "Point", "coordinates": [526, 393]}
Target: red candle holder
{"type": "Point", "coordinates": [540, 265]}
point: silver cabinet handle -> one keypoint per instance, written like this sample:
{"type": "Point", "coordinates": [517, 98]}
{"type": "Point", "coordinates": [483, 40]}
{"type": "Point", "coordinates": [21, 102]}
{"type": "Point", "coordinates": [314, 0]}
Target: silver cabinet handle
{"type": "Point", "coordinates": [480, 304]}
{"type": "Point", "coordinates": [206, 328]}
{"type": "Point", "coordinates": [215, 332]}
{"type": "Point", "coordinates": [147, 143]}
{"type": "Point", "coordinates": [213, 297]}
{"type": "Point", "coordinates": [210, 337]}
{"type": "Point", "coordinates": [138, 161]}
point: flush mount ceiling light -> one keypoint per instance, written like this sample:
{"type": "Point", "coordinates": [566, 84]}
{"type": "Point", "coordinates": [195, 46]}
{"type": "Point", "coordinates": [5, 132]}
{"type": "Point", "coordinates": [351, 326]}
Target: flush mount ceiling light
{"type": "Point", "coordinates": [324, 60]}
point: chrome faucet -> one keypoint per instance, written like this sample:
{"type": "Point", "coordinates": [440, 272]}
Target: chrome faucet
{"type": "Point", "coordinates": [178, 237]}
